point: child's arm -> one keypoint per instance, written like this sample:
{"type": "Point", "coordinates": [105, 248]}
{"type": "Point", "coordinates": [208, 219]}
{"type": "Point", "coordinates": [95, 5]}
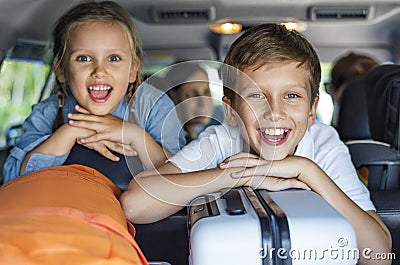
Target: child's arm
{"type": "Point", "coordinates": [122, 136]}
{"type": "Point", "coordinates": [156, 194]}
{"type": "Point", "coordinates": [59, 143]}
{"type": "Point", "coordinates": [150, 153]}
{"type": "Point", "coordinates": [371, 231]}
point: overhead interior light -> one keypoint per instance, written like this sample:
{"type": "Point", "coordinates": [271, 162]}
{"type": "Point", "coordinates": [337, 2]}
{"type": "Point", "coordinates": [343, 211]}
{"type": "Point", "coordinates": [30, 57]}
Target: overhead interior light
{"type": "Point", "coordinates": [298, 26]}
{"type": "Point", "coordinates": [226, 28]}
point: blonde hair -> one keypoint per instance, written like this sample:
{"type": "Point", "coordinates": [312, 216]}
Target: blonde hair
{"type": "Point", "coordinates": [107, 11]}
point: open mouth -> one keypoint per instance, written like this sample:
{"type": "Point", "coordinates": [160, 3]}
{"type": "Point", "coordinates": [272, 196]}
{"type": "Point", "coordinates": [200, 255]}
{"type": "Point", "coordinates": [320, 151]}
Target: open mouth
{"type": "Point", "coordinates": [274, 136]}
{"type": "Point", "coordinates": [99, 93]}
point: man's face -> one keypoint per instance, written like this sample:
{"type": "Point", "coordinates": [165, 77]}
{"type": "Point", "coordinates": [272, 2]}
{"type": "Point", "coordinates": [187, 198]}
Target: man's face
{"type": "Point", "coordinates": [274, 111]}
{"type": "Point", "coordinates": [196, 103]}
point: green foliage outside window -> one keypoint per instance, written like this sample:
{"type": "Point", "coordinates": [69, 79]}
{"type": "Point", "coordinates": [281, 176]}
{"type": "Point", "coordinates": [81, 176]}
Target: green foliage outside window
{"type": "Point", "coordinates": [21, 84]}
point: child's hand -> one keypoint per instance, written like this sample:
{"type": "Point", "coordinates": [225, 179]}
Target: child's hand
{"type": "Point", "coordinates": [263, 174]}
{"type": "Point", "coordinates": [108, 133]}
{"type": "Point", "coordinates": [103, 147]}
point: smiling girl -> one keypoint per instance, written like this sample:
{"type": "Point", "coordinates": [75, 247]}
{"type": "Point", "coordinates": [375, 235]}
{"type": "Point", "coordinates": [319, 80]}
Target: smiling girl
{"type": "Point", "coordinates": [69, 212]}
{"type": "Point", "coordinates": [97, 61]}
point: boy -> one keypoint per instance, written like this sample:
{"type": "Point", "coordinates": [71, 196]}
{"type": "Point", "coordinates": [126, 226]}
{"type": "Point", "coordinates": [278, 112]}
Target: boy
{"type": "Point", "coordinates": [270, 142]}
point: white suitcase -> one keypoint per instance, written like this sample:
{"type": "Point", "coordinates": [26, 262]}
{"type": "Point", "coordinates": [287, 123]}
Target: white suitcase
{"type": "Point", "coordinates": [247, 227]}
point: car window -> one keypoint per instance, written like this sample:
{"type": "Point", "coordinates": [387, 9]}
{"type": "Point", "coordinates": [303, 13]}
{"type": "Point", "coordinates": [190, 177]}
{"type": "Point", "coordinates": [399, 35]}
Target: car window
{"type": "Point", "coordinates": [325, 105]}
{"type": "Point", "coordinates": [23, 75]}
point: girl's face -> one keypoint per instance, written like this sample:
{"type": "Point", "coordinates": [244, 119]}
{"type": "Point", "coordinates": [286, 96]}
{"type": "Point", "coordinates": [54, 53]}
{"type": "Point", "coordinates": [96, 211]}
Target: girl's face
{"type": "Point", "coordinates": [98, 66]}
{"type": "Point", "coordinates": [274, 111]}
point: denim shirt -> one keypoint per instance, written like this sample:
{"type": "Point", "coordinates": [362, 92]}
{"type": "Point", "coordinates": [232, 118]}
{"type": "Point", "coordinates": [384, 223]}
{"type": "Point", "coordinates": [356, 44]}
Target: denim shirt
{"type": "Point", "coordinates": [154, 111]}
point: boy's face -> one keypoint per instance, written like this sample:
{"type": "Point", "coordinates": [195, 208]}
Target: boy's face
{"type": "Point", "coordinates": [273, 113]}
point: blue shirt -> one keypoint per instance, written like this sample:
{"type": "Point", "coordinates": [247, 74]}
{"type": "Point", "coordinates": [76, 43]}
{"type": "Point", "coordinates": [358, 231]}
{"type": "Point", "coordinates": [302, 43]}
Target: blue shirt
{"type": "Point", "coordinates": [153, 109]}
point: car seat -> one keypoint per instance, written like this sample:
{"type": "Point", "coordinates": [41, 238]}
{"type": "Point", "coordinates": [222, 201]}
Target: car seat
{"type": "Point", "coordinates": [352, 121]}
{"type": "Point", "coordinates": [383, 101]}
{"type": "Point", "coordinates": [387, 205]}
{"type": "Point", "coordinates": [380, 154]}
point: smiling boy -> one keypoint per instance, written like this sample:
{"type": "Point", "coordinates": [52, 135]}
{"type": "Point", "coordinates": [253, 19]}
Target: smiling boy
{"type": "Point", "coordinates": [271, 141]}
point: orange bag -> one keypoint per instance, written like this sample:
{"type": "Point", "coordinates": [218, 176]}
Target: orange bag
{"type": "Point", "coordinates": [65, 215]}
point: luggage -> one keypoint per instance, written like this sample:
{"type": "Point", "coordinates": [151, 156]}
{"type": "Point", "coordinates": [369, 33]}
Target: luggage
{"type": "Point", "coordinates": [65, 215]}
{"type": "Point", "coordinates": [247, 226]}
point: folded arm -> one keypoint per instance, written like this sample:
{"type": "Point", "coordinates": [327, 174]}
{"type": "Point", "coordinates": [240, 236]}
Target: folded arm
{"type": "Point", "coordinates": [156, 194]}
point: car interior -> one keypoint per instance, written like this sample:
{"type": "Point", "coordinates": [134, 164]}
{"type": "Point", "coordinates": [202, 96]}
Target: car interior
{"type": "Point", "coordinates": [183, 30]}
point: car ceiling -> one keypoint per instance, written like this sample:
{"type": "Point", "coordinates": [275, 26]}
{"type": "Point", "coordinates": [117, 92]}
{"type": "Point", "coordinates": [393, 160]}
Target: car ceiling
{"type": "Point", "coordinates": [176, 24]}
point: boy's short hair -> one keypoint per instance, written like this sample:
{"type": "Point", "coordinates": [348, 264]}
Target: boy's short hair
{"type": "Point", "coordinates": [268, 44]}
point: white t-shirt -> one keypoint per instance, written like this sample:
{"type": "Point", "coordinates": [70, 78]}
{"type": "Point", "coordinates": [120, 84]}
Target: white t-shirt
{"type": "Point", "coordinates": [320, 144]}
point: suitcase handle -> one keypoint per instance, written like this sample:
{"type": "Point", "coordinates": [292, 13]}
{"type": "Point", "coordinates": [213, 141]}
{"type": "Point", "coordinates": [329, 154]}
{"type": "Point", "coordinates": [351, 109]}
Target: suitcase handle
{"type": "Point", "coordinates": [234, 204]}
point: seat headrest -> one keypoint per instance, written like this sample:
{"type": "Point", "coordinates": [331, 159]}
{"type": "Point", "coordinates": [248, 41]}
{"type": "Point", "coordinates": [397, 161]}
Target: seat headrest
{"type": "Point", "coordinates": [383, 100]}
{"type": "Point", "coordinates": [353, 114]}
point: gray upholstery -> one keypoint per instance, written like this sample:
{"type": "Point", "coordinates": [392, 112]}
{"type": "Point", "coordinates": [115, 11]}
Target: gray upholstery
{"type": "Point", "coordinates": [381, 153]}
{"type": "Point", "coordinates": [352, 121]}
{"type": "Point", "coordinates": [387, 205]}
{"type": "Point", "coordinates": [374, 100]}
{"type": "Point", "coordinates": [383, 102]}
{"type": "Point", "coordinates": [382, 161]}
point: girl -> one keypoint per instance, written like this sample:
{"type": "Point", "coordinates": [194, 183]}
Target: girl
{"type": "Point", "coordinates": [70, 214]}
{"type": "Point", "coordinates": [97, 58]}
